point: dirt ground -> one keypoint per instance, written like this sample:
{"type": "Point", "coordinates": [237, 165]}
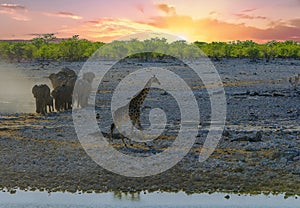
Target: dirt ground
{"type": "Point", "coordinates": [258, 152]}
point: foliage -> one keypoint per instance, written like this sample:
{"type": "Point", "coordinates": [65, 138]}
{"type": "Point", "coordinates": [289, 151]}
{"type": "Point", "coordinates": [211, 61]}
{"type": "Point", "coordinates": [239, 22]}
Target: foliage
{"type": "Point", "coordinates": [251, 50]}
{"type": "Point", "coordinates": [48, 47]}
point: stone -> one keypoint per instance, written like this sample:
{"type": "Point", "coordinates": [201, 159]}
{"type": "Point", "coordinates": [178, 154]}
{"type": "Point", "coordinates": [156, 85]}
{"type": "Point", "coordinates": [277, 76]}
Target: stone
{"type": "Point", "coordinates": [227, 197]}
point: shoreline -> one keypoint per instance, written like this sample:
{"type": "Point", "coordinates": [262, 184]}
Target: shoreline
{"type": "Point", "coordinates": [146, 199]}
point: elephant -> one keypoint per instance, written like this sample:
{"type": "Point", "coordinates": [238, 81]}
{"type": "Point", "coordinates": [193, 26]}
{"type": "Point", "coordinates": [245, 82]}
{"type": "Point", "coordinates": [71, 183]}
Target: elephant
{"type": "Point", "coordinates": [83, 88]}
{"type": "Point", "coordinates": [71, 82]}
{"type": "Point", "coordinates": [82, 92]}
{"type": "Point", "coordinates": [42, 97]}
{"type": "Point", "coordinates": [56, 80]}
{"type": "Point", "coordinates": [62, 77]}
{"type": "Point", "coordinates": [68, 72]}
{"type": "Point", "coordinates": [63, 97]}
{"type": "Point", "coordinates": [88, 76]}
{"type": "Point", "coordinates": [63, 84]}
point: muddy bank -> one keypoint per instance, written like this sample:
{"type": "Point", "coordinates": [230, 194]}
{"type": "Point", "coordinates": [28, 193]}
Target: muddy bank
{"type": "Point", "coordinates": [45, 154]}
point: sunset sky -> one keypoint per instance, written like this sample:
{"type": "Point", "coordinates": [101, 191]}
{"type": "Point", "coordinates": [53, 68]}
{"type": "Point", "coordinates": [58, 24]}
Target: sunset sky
{"type": "Point", "coordinates": [105, 20]}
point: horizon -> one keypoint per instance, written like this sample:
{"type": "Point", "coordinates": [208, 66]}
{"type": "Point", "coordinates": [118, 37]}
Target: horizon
{"type": "Point", "coordinates": [188, 42]}
{"type": "Point", "coordinates": [97, 20]}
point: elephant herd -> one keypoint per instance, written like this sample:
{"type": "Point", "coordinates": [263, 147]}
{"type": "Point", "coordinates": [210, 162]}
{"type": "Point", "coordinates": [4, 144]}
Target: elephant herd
{"type": "Point", "coordinates": [65, 87]}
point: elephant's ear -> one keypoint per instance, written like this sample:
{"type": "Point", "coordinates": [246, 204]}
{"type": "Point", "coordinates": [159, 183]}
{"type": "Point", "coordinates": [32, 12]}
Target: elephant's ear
{"type": "Point", "coordinates": [52, 76]}
{"type": "Point", "coordinates": [34, 90]}
{"type": "Point", "coordinates": [46, 88]}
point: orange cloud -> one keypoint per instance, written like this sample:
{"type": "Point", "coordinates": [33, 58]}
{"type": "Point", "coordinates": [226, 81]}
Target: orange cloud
{"type": "Point", "coordinates": [64, 15]}
{"type": "Point", "coordinates": [205, 29]}
{"type": "Point", "coordinates": [211, 29]}
{"type": "Point", "coordinates": [166, 8]}
{"type": "Point", "coordinates": [107, 29]}
{"type": "Point", "coordinates": [14, 11]}
{"type": "Point", "coordinates": [295, 22]}
{"type": "Point", "coordinates": [226, 31]}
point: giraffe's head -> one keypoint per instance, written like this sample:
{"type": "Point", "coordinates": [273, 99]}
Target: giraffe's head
{"type": "Point", "coordinates": [154, 80]}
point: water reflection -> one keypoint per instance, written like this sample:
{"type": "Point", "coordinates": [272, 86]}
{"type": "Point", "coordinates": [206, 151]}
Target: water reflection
{"type": "Point", "coordinates": [39, 199]}
{"type": "Point", "coordinates": [127, 196]}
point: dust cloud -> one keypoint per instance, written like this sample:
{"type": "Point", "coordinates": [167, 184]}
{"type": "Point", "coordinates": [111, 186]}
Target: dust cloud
{"type": "Point", "coordinates": [15, 88]}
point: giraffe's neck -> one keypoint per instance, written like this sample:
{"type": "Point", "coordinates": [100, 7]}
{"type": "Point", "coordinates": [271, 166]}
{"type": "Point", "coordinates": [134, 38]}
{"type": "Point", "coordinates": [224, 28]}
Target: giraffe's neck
{"type": "Point", "coordinates": [140, 98]}
{"type": "Point", "coordinates": [148, 84]}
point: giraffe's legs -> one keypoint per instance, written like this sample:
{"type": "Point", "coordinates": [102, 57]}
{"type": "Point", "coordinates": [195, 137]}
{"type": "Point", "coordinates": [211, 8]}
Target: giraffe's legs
{"type": "Point", "coordinates": [131, 133]}
{"type": "Point", "coordinates": [140, 129]}
{"type": "Point", "coordinates": [112, 128]}
{"type": "Point", "coordinates": [122, 137]}
{"type": "Point", "coordinates": [139, 124]}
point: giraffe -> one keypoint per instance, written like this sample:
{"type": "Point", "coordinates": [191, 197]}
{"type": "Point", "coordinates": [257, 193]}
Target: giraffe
{"type": "Point", "coordinates": [132, 110]}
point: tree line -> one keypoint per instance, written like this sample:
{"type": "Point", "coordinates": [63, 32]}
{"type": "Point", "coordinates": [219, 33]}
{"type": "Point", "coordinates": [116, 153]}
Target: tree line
{"type": "Point", "coordinates": [48, 48]}
{"type": "Point", "coordinates": [250, 49]}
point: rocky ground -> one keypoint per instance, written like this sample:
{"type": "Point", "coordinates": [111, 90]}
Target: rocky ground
{"type": "Point", "coordinates": [259, 150]}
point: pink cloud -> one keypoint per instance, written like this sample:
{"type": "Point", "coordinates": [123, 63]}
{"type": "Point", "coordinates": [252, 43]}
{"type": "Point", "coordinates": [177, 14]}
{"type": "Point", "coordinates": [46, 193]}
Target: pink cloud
{"type": "Point", "coordinates": [246, 16]}
{"type": "Point", "coordinates": [14, 11]}
{"type": "Point", "coordinates": [280, 32]}
{"type": "Point", "coordinates": [64, 15]}
{"type": "Point", "coordinates": [249, 10]}
{"type": "Point", "coordinates": [140, 8]}
{"type": "Point", "coordinates": [13, 6]}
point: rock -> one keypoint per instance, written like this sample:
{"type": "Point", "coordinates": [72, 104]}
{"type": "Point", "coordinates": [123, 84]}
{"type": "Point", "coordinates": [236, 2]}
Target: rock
{"type": "Point", "coordinates": [227, 197]}
{"type": "Point", "coordinates": [240, 93]}
{"type": "Point", "coordinates": [12, 191]}
{"type": "Point", "coordinates": [266, 95]}
{"type": "Point", "coordinates": [276, 94]}
{"type": "Point", "coordinates": [245, 138]}
{"type": "Point", "coordinates": [257, 137]}
{"type": "Point", "coordinates": [253, 93]}
{"type": "Point", "coordinates": [226, 133]}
